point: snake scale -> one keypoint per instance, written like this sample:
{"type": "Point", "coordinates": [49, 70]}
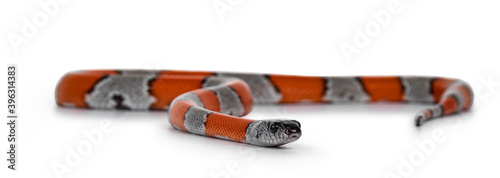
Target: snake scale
{"type": "Point", "coordinates": [213, 103]}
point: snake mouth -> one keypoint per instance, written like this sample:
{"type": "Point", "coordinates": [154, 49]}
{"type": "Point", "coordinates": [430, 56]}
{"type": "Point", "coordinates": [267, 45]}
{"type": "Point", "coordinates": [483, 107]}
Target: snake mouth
{"type": "Point", "coordinates": [281, 140]}
{"type": "Point", "coordinates": [277, 142]}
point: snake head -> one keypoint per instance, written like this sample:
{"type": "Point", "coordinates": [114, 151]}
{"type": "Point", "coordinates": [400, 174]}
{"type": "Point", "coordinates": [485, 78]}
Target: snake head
{"type": "Point", "coordinates": [273, 132]}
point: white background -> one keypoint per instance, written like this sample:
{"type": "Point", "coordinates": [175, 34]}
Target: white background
{"type": "Point", "coordinates": [457, 39]}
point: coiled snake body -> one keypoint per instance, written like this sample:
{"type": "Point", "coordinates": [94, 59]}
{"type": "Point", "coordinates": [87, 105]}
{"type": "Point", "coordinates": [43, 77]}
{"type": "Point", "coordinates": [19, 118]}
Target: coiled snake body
{"type": "Point", "coordinates": [212, 104]}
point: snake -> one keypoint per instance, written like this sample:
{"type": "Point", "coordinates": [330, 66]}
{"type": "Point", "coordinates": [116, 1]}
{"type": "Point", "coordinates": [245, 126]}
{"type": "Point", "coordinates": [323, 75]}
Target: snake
{"type": "Point", "coordinates": [213, 103]}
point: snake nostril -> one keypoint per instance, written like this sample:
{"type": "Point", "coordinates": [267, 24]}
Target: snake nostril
{"type": "Point", "coordinates": [294, 130]}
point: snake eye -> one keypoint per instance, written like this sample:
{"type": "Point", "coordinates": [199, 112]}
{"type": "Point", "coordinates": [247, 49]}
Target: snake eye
{"type": "Point", "coordinates": [274, 127]}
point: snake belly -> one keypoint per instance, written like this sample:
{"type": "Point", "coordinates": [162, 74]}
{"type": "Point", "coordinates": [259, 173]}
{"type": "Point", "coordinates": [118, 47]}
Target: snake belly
{"type": "Point", "coordinates": [213, 103]}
